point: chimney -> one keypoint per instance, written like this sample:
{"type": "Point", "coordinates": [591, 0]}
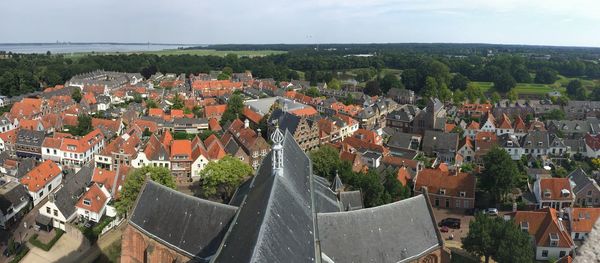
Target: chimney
{"type": "Point", "coordinates": [246, 123]}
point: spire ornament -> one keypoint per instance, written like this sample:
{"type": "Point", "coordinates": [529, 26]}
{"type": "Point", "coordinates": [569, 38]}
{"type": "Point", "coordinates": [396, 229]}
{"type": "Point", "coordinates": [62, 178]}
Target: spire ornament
{"type": "Point", "coordinates": [277, 162]}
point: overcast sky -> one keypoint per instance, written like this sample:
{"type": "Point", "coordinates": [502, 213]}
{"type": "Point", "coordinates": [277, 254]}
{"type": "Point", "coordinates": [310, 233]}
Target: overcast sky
{"type": "Point", "coordinates": [543, 22]}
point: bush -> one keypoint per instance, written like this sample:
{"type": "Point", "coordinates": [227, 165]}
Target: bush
{"type": "Point", "coordinates": [92, 233]}
{"type": "Point", "coordinates": [21, 254]}
{"type": "Point", "coordinates": [34, 241]}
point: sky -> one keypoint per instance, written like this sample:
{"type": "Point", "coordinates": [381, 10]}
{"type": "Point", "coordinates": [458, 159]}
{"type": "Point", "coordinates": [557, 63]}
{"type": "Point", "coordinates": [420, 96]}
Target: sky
{"type": "Point", "coordinates": [536, 22]}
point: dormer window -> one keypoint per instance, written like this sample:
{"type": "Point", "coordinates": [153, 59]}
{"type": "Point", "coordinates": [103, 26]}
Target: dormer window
{"type": "Point", "coordinates": [87, 202]}
{"type": "Point", "coordinates": [554, 239]}
{"type": "Point", "coordinates": [463, 194]}
{"type": "Point", "coordinates": [525, 226]}
{"type": "Point", "coordinates": [547, 193]}
{"type": "Point", "coordinates": [539, 143]}
{"type": "Point", "coordinates": [442, 191]}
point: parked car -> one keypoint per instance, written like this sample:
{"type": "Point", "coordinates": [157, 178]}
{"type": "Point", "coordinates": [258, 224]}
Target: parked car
{"type": "Point", "coordinates": [18, 248]}
{"type": "Point", "coordinates": [491, 211]}
{"type": "Point", "coordinates": [444, 229]}
{"type": "Point", "coordinates": [450, 222]}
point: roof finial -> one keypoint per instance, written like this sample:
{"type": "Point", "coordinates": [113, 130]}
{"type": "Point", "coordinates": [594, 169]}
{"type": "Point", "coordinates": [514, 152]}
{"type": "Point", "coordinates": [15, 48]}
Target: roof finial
{"type": "Point", "coordinates": [277, 138]}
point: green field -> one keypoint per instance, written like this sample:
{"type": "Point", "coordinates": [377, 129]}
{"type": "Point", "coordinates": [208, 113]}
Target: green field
{"type": "Point", "coordinates": [522, 88]}
{"type": "Point", "coordinates": [196, 52]}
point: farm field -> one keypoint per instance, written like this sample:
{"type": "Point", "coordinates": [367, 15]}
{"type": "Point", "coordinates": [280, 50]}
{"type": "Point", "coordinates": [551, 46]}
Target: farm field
{"type": "Point", "coordinates": [523, 88]}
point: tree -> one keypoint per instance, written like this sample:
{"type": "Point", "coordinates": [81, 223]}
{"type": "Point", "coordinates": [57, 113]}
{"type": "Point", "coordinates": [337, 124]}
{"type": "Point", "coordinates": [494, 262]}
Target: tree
{"type": "Point", "coordinates": [500, 175]}
{"type": "Point", "coordinates": [596, 163]}
{"type": "Point", "coordinates": [334, 84]}
{"type": "Point", "coordinates": [326, 161]}
{"type": "Point", "coordinates": [546, 76]}
{"type": "Point", "coordinates": [223, 76]}
{"type": "Point", "coordinates": [390, 81]}
{"type": "Point", "coordinates": [394, 188]}
{"type": "Point", "coordinates": [504, 82]}
{"type": "Point", "coordinates": [444, 94]}
{"type": "Point", "coordinates": [224, 176]}
{"type": "Point", "coordinates": [431, 88]}
{"type": "Point", "coordinates": [573, 86]}
{"type": "Point", "coordinates": [76, 95]}
{"type": "Point", "coordinates": [151, 104]}
{"type": "Point", "coordinates": [458, 97]}
{"type": "Point", "coordinates": [555, 114]}
{"type": "Point", "coordinates": [134, 182]}
{"type": "Point", "coordinates": [459, 82]}
{"type": "Point", "coordinates": [473, 92]}
{"type": "Point", "coordinates": [372, 88]}
{"type": "Point", "coordinates": [84, 125]}
{"type": "Point", "coordinates": [512, 95]}
{"type": "Point", "coordinates": [313, 92]}
{"type": "Point", "coordinates": [372, 189]}
{"type": "Point", "coordinates": [495, 98]}
{"type": "Point", "coordinates": [410, 79]}
{"type": "Point", "coordinates": [493, 237]}
{"type": "Point", "coordinates": [595, 95]}
{"type": "Point", "coordinates": [177, 103]}
{"type": "Point", "coordinates": [228, 71]}
{"type": "Point", "coordinates": [235, 105]}
{"type": "Point", "coordinates": [581, 93]}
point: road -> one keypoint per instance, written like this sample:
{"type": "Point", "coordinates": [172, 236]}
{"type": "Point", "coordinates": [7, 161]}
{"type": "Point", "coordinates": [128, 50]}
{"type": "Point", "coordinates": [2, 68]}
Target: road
{"type": "Point", "coordinates": [18, 231]}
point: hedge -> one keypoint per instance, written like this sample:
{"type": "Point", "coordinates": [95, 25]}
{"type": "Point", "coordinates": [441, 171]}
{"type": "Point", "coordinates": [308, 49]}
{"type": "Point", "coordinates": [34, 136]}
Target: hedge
{"type": "Point", "coordinates": [34, 241]}
{"type": "Point", "coordinates": [21, 254]}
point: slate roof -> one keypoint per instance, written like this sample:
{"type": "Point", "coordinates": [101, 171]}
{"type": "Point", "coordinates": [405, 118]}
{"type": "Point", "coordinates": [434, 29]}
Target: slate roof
{"type": "Point", "coordinates": [30, 138]}
{"type": "Point", "coordinates": [12, 194]}
{"type": "Point", "coordinates": [368, 235]}
{"type": "Point", "coordinates": [286, 121]}
{"type": "Point", "coordinates": [73, 187]}
{"type": "Point", "coordinates": [439, 141]}
{"type": "Point", "coordinates": [276, 219]}
{"type": "Point", "coordinates": [351, 200]}
{"type": "Point", "coordinates": [580, 179]}
{"type": "Point", "coordinates": [185, 223]}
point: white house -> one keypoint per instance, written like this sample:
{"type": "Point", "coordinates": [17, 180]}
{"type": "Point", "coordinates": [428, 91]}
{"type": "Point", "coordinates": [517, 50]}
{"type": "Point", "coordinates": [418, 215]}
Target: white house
{"type": "Point", "coordinates": [466, 150]}
{"type": "Point", "coordinates": [198, 165]}
{"type": "Point", "coordinates": [70, 151]}
{"type": "Point", "coordinates": [582, 221]}
{"type": "Point", "coordinates": [92, 205]}
{"type": "Point", "coordinates": [42, 180]}
{"type": "Point", "coordinates": [556, 193]}
{"type": "Point", "coordinates": [489, 125]}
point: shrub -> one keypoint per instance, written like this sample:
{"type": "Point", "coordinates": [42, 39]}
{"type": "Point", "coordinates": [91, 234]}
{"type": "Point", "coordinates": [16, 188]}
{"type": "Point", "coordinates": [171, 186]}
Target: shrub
{"type": "Point", "coordinates": [34, 241]}
{"type": "Point", "coordinates": [21, 254]}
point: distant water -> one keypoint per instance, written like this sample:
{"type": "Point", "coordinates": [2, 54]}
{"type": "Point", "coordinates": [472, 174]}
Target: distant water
{"type": "Point", "coordinates": [56, 48]}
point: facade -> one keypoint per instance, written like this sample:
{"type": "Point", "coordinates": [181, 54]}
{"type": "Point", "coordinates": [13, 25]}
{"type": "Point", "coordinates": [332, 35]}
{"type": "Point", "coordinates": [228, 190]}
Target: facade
{"type": "Point", "coordinates": [446, 188]}
{"type": "Point", "coordinates": [14, 203]}
{"type": "Point", "coordinates": [120, 151]}
{"type": "Point", "coordinates": [585, 188]}
{"type": "Point", "coordinates": [73, 151]}
{"type": "Point", "coordinates": [581, 221]}
{"type": "Point", "coordinates": [553, 192]}
{"type": "Point", "coordinates": [304, 129]}
{"type": "Point", "coordinates": [29, 144]}
{"type": "Point", "coordinates": [92, 205]}
{"type": "Point", "coordinates": [42, 180]}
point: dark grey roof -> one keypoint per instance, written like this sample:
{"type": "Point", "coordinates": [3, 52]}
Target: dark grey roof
{"type": "Point", "coordinates": [351, 200]}
{"type": "Point", "coordinates": [12, 194]}
{"type": "Point", "coordinates": [184, 121]}
{"type": "Point", "coordinates": [286, 120]}
{"type": "Point", "coordinates": [401, 140]}
{"type": "Point", "coordinates": [191, 225]}
{"type": "Point", "coordinates": [30, 138]}
{"type": "Point", "coordinates": [438, 141]}
{"type": "Point", "coordinates": [232, 147]}
{"type": "Point", "coordinates": [535, 140]}
{"type": "Point", "coordinates": [337, 184]}
{"type": "Point", "coordinates": [580, 179]}
{"type": "Point", "coordinates": [72, 188]}
{"type": "Point", "coordinates": [25, 165]}
{"type": "Point", "coordinates": [276, 219]}
{"type": "Point", "coordinates": [387, 233]}
{"type": "Point", "coordinates": [325, 198]}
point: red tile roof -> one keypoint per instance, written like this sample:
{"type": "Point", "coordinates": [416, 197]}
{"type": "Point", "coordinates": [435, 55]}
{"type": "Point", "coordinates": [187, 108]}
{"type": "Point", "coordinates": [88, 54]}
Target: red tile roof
{"type": "Point", "coordinates": [553, 187]}
{"type": "Point", "coordinates": [9, 136]}
{"type": "Point", "coordinates": [95, 196]}
{"type": "Point", "coordinates": [214, 125]}
{"type": "Point", "coordinates": [214, 111]}
{"type": "Point", "coordinates": [181, 148]}
{"type": "Point", "coordinates": [155, 112]}
{"type": "Point", "coordinates": [251, 115]}
{"type": "Point", "coordinates": [541, 223]}
{"type": "Point", "coordinates": [39, 176]}
{"type": "Point", "coordinates": [593, 141]}
{"type": "Point", "coordinates": [583, 219]}
{"type": "Point", "coordinates": [452, 182]}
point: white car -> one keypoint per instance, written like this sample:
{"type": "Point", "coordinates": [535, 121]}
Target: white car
{"type": "Point", "coordinates": [491, 211]}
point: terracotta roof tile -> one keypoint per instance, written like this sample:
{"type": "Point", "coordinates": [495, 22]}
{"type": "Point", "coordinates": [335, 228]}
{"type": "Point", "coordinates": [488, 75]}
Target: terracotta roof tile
{"type": "Point", "coordinates": [96, 198]}
{"type": "Point", "coordinates": [39, 176]}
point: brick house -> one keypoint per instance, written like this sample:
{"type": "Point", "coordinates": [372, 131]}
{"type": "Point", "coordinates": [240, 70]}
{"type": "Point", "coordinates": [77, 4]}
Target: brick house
{"type": "Point", "coordinates": [447, 188]}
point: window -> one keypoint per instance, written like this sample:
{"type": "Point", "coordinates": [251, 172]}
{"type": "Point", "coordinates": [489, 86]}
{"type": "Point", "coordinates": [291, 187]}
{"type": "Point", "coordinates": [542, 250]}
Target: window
{"type": "Point", "coordinates": [55, 212]}
{"type": "Point", "coordinates": [525, 226]}
{"type": "Point", "coordinates": [544, 253]}
{"type": "Point", "coordinates": [457, 204]}
{"type": "Point", "coordinates": [41, 193]}
{"type": "Point", "coordinates": [463, 194]}
{"type": "Point", "coordinates": [442, 191]}
{"type": "Point", "coordinates": [562, 254]}
{"type": "Point", "coordinates": [437, 202]}
{"type": "Point", "coordinates": [553, 239]}
{"type": "Point", "coordinates": [48, 210]}
{"type": "Point", "coordinates": [589, 193]}
{"type": "Point", "coordinates": [87, 202]}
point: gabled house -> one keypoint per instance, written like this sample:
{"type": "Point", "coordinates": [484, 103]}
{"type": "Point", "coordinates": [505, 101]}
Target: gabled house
{"type": "Point", "coordinates": [510, 143]}
{"type": "Point", "coordinates": [442, 145]}
{"type": "Point", "coordinates": [109, 128]}
{"type": "Point", "coordinates": [548, 231]}
{"type": "Point", "coordinates": [93, 203]}
{"type": "Point", "coordinates": [29, 144]}
{"type": "Point", "coordinates": [447, 187]}
{"type": "Point", "coordinates": [582, 221]}
{"type": "Point", "coordinates": [556, 193]}
{"type": "Point", "coordinates": [42, 180]}
{"type": "Point", "coordinates": [484, 142]}
{"type": "Point", "coordinates": [304, 130]}
{"type": "Point", "coordinates": [592, 145]}
{"type": "Point", "coordinates": [585, 188]}
{"type": "Point", "coordinates": [466, 149]}
{"type": "Point", "coordinates": [60, 207]}
{"type": "Point", "coordinates": [8, 142]}
{"type": "Point", "coordinates": [536, 143]}
{"type": "Point", "coordinates": [489, 123]}
{"type": "Point", "coordinates": [254, 146]}
{"type": "Point", "coordinates": [504, 126]}
{"type": "Point", "coordinates": [120, 151]}
{"type": "Point", "coordinates": [14, 202]}
{"type": "Point", "coordinates": [73, 151]}
{"type": "Point", "coordinates": [472, 130]}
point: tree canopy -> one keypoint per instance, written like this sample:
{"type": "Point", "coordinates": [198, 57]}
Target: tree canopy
{"type": "Point", "coordinates": [134, 182]}
{"type": "Point", "coordinates": [334, 84]}
{"type": "Point", "coordinates": [372, 88]}
{"type": "Point", "coordinates": [76, 95]}
{"type": "Point", "coordinates": [500, 174]}
{"type": "Point", "coordinates": [493, 237]}
{"type": "Point", "coordinates": [235, 105]}
{"type": "Point", "coordinates": [390, 81]}
{"type": "Point", "coordinates": [224, 176]}
{"type": "Point", "coordinates": [546, 76]}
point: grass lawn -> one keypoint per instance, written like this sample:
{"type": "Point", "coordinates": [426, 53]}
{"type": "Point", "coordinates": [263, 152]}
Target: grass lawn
{"type": "Point", "coordinates": [587, 83]}
{"type": "Point", "coordinates": [197, 52]}
{"type": "Point", "coordinates": [522, 88]}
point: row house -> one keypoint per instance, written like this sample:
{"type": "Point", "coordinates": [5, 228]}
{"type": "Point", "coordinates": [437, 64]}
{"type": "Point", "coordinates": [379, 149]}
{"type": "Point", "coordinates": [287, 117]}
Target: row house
{"type": "Point", "coordinates": [556, 193]}
{"type": "Point", "coordinates": [215, 88]}
{"type": "Point", "coordinates": [592, 145]}
{"type": "Point", "coordinates": [8, 142]}
{"type": "Point", "coordinates": [303, 129]}
{"type": "Point", "coordinates": [402, 118]}
{"type": "Point", "coordinates": [373, 115]}
{"type": "Point", "coordinates": [29, 108]}
{"type": "Point", "coordinates": [580, 110]}
{"type": "Point", "coordinates": [446, 187]}
{"type": "Point", "coordinates": [15, 201]}
{"type": "Point", "coordinates": [442, 145]}
{"type": "Point", "coordinates": [585, 188]}
{"type": "Point", "coordinates": [240, 136]}
{"type": "Point", "coordinates": [42, 180]}
{"type": "Point", "coordinates": [120, 151]}
{"type": "Point", "coordinates": [92, 205]}
{"type": "Point", "coordinates": [60, 207]}
{"type": "Point", "coordinates": [73, 151]}
{"type": "Point", "coordinates": [548, 231]}
{"type": "Point", "coordinates": [582, 221]}
{"type": "Point", "coordinates": [574, 128]}
{"type": "Point", "coordinates": [474, 110]}
{"type": "Point", "coordinates": [28, 144]}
